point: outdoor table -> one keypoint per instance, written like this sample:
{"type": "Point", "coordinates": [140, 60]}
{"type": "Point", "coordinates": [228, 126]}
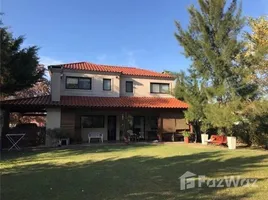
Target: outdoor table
{"type": "Point", "coordinates": [12, 138]}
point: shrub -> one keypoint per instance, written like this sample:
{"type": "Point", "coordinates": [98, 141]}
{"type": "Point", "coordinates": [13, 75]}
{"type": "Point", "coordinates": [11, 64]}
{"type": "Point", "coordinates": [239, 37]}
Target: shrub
{"type": "Point", "coordinates": [186, 134]}
{"type": "Point", "coordinates": [56, 133]}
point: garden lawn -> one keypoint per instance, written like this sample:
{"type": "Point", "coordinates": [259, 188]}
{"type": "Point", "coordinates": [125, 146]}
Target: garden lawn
{"type": "Point", "coordinates": [130, 172]}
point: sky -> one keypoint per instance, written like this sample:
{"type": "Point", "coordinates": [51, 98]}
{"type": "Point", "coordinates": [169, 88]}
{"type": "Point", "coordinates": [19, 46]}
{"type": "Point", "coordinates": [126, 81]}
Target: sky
{"type": "Point", "coordinates": [137, 33]}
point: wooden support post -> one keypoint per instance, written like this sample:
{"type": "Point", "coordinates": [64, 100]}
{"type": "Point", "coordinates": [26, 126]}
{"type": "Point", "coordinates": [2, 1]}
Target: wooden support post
{"type": "Point", "coordinates": [6, 118]}
{"type": "Point", "coordinates": [125, 135]}
{"type": "Point", "coordinates": [160, 129]}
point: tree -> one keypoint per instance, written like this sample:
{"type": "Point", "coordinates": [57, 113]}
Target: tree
{"type": "Point", "coordinates": [211, 42]}
{"type": "Point", "coordinates": [252, 126]}
{"type": "Point", "coordinates": [40, 88]}
{"type": "Point", "coordinates": [19, 66]}
{"type": "Point", "coordinates": [190, 90]}
{"type": "Point", "coordinates": [257, 51]}
{"type": "Point", "coordinates": [223, 116]}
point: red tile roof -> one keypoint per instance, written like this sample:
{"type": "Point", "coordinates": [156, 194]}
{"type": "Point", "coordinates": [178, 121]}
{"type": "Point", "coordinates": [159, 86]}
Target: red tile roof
{"type": "Point", "coordinates": [99, 102]}
{"type": "Point", "coordinates": [113, 69]}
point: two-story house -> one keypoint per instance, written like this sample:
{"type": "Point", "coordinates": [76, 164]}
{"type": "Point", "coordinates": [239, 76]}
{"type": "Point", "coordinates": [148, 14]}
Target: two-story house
{"type": "Point", "coordinates": [87, 97]}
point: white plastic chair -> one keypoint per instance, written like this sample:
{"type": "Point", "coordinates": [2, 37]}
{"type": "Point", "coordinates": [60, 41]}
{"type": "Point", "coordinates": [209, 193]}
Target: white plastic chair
{"type": "Point", "coordinates": [95, 135]}
{"type": "Point", "coordinates": [132, 135]}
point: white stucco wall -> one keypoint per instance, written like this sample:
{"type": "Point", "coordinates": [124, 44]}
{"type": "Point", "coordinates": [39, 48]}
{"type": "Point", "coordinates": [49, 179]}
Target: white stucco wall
{"type": "Point", "coordinates": [55, 84]}
{"type": "Point", "coordinates": [141, 86]}
{"type": "Point", "coordinates": [53, 119]}
{"type": "Point", "coordinates": [96, 84]}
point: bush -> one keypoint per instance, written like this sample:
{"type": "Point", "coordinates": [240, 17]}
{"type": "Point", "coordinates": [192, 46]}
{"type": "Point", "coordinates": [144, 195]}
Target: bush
{"type": "Point", "coordinates": [186, 134]}
{"type": "Point", "coordinates": [251, 133]}
{"type": "Point", "coordinates": [56, 133]}
{"type": "Point", "coordinates": [254, 128]}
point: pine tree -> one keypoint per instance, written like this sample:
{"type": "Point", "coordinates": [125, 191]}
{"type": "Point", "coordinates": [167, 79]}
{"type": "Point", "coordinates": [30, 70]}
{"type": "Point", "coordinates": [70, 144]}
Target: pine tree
{"type": "Point", "coordinates": [257, 52]}
{"type": "Point", "coordinates": [211, 42]}
{"type": "Point", "coordinates": [189, 89]}
{"type": "Point", "coordinates": [223, 116]}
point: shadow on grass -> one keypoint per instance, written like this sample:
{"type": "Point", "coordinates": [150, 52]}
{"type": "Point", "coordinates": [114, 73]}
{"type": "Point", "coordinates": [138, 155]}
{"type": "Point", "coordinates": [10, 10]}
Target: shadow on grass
{"type": "Point", "coordinates": [71, 150]}
{"type": "Point", "coordinates": [137, 177]}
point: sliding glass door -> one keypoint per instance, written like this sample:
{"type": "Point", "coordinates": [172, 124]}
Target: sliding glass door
{"type": "Point", "coordinates": [139, 126]}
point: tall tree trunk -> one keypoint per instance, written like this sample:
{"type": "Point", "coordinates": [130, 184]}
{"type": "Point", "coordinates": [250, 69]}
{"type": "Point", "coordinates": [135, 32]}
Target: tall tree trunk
{"type": "Point", "coordinates": [197, 131]}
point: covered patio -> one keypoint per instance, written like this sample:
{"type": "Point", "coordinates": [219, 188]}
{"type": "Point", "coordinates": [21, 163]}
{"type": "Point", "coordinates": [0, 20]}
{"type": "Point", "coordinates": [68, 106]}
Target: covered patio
{"type": "Point", "coordinates": [148, 118]}
{"type": "Point", "coordinates": [35, 135]}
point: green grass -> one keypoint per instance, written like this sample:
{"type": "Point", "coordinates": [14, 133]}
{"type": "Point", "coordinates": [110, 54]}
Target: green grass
{"type": "Point", "coordinates": [129, 172]}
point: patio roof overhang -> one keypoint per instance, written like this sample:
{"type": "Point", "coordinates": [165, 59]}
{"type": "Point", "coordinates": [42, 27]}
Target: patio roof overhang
{"type": "Point", "coordinates": [43, 102]}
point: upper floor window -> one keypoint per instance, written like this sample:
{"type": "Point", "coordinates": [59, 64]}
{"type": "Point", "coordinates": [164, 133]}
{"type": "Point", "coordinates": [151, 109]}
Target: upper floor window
{"type": "Point", "coordinates": [107, 84]}
{"type": "Point", "coordinates": [129, 86]}
{"type": "Point", "coordinates": [78, 83]}
{"type": "Point", "coordinates": [162, 88]}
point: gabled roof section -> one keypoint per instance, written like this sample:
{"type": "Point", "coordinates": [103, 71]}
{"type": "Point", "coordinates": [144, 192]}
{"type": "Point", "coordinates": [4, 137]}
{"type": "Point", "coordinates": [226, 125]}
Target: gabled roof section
{"type": "Point", "coordinates": [132, 71]}
{"type": "Point", "coordinates": [99, 102]}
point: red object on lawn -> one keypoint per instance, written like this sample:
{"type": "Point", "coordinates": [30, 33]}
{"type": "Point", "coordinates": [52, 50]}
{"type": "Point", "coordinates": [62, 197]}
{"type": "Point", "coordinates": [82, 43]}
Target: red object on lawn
{"type": "Point", "coordinates": [218, 139]}
{"type": "Point", "coordinates": [186, 139]}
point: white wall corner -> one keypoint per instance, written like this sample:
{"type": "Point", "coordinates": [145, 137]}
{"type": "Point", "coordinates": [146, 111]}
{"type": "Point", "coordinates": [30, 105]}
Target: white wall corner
{"type": "Point", "coordinates": [53, 120]}
{"type": "Point", "coordinates": [55, 83]}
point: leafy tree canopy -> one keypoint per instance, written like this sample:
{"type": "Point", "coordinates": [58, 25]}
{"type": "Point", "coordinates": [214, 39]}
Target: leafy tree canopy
{"type": "Point", "coordinates": [257, 51]}
{"type": "Point", "coordinates": [19, 66]}
{"type": "Point", "coordinates": [212, 42]}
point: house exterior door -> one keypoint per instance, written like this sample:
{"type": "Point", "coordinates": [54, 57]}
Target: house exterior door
{"type": "Point", "coordinates": [111, 128]}
{"type": "Point", "coordinates": [139, 126]}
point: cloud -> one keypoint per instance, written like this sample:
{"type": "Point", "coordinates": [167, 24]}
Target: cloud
{"type": "Point", "coordinates": [132, 55]}
{"type": "Point", "coordinates": [102, 58]}
{"type": "Point", "coordinates": [124, 57]}
{"type": "Point", "coordinates": [45, 60]}
{"type": "Point", "coordinates": [131, 59]}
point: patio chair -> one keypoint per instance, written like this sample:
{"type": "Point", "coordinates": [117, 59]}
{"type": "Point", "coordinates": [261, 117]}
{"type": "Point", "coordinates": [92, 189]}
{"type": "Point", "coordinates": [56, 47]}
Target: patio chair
{"type": "Point", "coordinates": [140, 136]}
{"type": "Point", "coordinates": [132, 135]}
{"type": "Point", "coordinates": [218, 139]}
{"type": "Point", "coordinates": [95, 135]}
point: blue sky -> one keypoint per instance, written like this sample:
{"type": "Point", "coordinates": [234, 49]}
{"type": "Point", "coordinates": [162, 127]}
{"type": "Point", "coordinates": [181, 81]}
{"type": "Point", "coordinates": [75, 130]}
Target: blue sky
{"type": "Point", "coordinates": [119, 32]}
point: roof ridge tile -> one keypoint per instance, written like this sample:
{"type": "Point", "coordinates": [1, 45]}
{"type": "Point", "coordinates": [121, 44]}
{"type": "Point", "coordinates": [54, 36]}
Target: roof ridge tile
{"type": "Point", "coordinates": [125, 70]}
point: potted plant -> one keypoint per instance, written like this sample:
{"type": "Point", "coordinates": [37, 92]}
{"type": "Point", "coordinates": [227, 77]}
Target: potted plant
{"type": "Point", "coordinates": [204, 136]}
{"type": "Point", "coordinates": [231, 142]}
{"type": "Point", "coordinates": [186, 135]}
{"type": "Point", "coordinates": [126, 136]}
{"type": "Point", "coordinates": [224, 117]}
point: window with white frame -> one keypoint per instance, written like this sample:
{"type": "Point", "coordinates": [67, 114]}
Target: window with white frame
{"type": "Point", "coordinates": [78, 83]}
{"type": "Point", "coordinates": [162, 88]}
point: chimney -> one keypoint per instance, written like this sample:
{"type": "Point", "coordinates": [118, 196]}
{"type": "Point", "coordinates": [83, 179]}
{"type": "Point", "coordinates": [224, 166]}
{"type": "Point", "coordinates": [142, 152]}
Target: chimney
{"type": "Point", "coordinates": [55, 74]}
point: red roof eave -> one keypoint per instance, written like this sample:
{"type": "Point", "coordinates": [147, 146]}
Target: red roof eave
{"type": "Point", "coordinates": [99, 102]}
